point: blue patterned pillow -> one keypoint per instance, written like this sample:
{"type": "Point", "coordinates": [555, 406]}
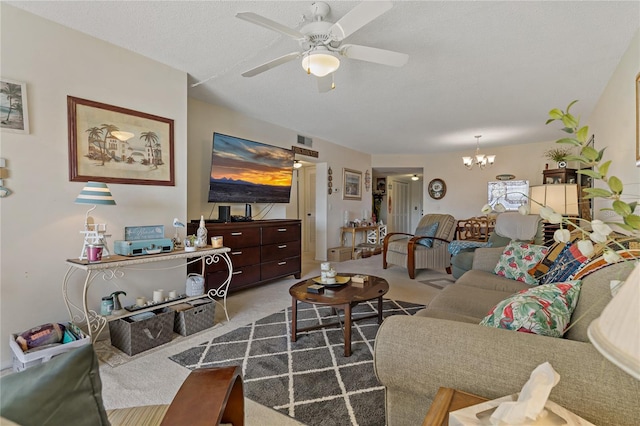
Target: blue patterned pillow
{"type": "Point", "coordinates": [565, 266]}
{"type": "Point", "coordinates": [427, 231]}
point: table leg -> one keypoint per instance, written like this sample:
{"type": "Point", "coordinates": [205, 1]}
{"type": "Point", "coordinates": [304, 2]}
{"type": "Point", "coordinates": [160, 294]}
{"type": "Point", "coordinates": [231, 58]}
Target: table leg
{"type": "Point", "coordinates": [380, 310]}
{"type": "Point", "coordinates": [353, 242]}
{"type": "Point", "coordinates": [347, 329]}
{"type": "Point", "coordinates": [294, 318]}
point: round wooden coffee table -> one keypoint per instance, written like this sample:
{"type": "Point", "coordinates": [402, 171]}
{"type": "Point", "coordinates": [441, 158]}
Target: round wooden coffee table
{"type": "Point", "coordinates": [343, 297]}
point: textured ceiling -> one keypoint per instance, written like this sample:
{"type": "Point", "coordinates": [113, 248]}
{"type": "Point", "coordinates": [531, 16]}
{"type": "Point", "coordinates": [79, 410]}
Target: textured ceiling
{"type": "Point", "coordinates": [489, 68]}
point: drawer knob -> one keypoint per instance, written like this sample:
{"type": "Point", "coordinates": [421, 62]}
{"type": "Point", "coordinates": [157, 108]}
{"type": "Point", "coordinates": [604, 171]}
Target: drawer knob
{"type": "Point", "coordinates": [282, 263]}
{"type": "Point", "coordinates": [282, 229]}
{"type": "Point", "coordinates": [236, 253]}
{"type": "Point", "coordinates": [236, 272]}
{"type": "Point", "coordinates": [282, 246]}
{"type": "Point", "coordinates": [236, 234]}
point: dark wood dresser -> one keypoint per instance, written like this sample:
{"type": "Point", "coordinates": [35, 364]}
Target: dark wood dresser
{"type": "Point", "coordinates": [261, 251]}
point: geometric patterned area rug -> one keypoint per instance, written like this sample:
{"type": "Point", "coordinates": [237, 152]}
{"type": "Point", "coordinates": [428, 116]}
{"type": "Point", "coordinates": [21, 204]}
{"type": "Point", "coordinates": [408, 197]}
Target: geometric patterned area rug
{"type": "Point", "coordinates": [310, 379]}
{"type": "Point", "coordinates": [439, 283]}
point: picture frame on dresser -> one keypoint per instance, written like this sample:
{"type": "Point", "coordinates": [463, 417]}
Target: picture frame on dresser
{"type": "Point", "coordinates": [113, 144]}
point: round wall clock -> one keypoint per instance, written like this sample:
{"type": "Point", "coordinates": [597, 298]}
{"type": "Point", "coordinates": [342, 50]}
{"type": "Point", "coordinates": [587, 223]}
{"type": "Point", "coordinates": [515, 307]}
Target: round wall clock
{"type": "Point", "coordinates": [437, 189]}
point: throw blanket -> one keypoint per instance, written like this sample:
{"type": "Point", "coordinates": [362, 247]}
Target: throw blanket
{"type": "Point", "coordinates": [516, 226]}
{"type": "Point", "coordinates": [457, 245]}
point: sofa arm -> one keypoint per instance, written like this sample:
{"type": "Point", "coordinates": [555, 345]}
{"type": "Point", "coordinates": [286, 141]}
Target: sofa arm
{"type": "Point", "coordinates": [415, 356]}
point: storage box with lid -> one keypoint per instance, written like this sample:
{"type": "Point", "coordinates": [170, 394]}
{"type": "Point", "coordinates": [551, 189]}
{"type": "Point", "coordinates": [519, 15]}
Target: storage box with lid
{"type": "Point", "coordinates": [375, 248]}
{"type": "Point", "coordinates": [142, 332]}
{"type": "Point", "coordinates": [194, 316]}
{"type": "Point", "coordinates": [338, 254]}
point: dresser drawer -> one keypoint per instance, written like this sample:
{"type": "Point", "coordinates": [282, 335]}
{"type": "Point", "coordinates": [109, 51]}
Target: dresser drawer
{"type": "Point", "coordinates": [237, 238]}
{"type": "Point", "coordinates": [290, 266]}
{"type": "Point", "coordinates": [279, 234]}
{"type": "Point", "coordinates": [280, 251]}
{"type": "Point", "coordinates": [239, 257]}
{"type": "Point", "coordinates": [242, 277]}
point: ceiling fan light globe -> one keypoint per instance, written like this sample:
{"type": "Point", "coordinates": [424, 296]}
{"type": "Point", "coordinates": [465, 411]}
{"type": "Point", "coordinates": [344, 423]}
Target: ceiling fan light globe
{"type": "Point", "coordinates": [320, 64]}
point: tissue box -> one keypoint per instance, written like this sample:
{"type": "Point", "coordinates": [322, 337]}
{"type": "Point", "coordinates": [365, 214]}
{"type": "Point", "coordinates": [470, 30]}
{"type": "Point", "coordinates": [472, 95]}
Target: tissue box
{"type": "Point", "coordinates": [480, 414]}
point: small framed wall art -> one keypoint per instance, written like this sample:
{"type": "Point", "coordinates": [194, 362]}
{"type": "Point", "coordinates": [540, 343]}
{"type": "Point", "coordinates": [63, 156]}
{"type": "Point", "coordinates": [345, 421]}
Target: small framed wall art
{"type": "Point", "coordinates": [352, 181]}
{"type": "Point", "coordinates": [118, 145]}
{"type": "Point", "coordinates": [14, 114]}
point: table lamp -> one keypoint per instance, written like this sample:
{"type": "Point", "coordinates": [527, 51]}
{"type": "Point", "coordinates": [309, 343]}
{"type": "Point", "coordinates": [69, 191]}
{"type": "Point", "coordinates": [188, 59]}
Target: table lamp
{"type": "Point", "coordinates": [616, 332]}
{"type": "Point", "coordinates": [94, 193]}
{"type": "Point", "coordinates": [561, 197]}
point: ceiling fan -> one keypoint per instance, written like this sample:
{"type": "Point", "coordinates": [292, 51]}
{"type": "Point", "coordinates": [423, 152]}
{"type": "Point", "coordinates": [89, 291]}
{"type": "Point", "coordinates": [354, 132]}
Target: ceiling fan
{"type": "Point", "coordinates": [321, 42]}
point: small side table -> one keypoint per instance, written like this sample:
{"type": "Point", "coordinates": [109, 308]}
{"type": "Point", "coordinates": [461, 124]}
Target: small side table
{"type": "Point", "coordinates": [448, 400]}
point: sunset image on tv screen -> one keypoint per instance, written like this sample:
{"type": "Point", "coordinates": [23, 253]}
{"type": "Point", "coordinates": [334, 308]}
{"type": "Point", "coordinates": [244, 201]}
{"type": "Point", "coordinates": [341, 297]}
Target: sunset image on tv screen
{"type": "Point", "coordinates": [244, 171]}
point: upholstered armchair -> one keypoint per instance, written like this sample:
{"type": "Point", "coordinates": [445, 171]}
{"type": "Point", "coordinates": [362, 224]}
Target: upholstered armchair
{"type": "Point", "coordinates": [67, 390]}
{"type": "Point", "coordinates": [427, 248]}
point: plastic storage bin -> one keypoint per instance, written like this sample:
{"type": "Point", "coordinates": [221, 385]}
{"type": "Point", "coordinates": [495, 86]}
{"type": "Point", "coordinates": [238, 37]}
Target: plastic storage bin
{"type": "Point", "coordinates": [22, 360]}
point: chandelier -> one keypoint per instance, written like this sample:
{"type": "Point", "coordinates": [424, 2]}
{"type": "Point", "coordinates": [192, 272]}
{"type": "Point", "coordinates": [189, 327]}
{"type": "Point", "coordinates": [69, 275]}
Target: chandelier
{"type": "Point", "coordinates": [479, 160]}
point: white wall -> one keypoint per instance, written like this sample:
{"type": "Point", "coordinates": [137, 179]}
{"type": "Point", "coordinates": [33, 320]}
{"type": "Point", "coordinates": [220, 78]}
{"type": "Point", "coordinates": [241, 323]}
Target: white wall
{"type": "Point", "coordinates": [205, 119]}
{"type": "Point", "coordinates": [467, 189]}
{"type": "Point", "coordinates": [613, 122]}
{"type": "Point", "coordinates": [39, 222]}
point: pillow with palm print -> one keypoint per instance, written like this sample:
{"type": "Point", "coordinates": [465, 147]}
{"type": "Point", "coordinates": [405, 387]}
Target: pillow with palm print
{"type": "Point", "coordinates": [517, 259]}
{"type": "Point", "coordinates": [544, 310]}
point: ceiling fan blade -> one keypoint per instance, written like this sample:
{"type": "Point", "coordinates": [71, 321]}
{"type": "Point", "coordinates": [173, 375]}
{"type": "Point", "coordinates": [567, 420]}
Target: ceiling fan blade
{"type": "Point", "coordinates": [372, 54]}
{"type": "Point", "coordinates": [271, 64]}
{"type": "Point", "coordinates": [358, 17]}
{"type": "Point", "coordinates": [325, 84]}
{"type": "Point", "coordinates": [269, 24]}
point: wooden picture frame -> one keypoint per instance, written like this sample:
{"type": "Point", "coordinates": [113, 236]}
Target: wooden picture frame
{"type": "Point", "coordinates": [638, 120]}
{"type": "Point", "coordinates": [112, 144]}
{"type": "Point", "coordinates": [352, 182]}
{"type": "Point", "coordinates": [14, 112]}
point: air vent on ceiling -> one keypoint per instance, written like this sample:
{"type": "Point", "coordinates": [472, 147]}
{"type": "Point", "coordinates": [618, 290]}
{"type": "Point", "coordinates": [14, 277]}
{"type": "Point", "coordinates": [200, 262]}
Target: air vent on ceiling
{"type": "Point", "coordinates": [303, 140]}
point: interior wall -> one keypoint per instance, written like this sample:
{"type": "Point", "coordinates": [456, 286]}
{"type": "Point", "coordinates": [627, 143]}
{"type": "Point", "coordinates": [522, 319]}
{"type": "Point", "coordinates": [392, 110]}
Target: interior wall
{"type": "Point", "coordinates": [614, 121]}
{"type": "Point", "coordinates": [204, 119]}
{"type": "Point", "coordinates": [39, 222]}
{"type": "Point", "coordinates": [467, 189]}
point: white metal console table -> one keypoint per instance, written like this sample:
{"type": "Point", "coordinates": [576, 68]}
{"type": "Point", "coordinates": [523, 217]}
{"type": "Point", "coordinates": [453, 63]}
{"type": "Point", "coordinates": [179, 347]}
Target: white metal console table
{"type": "Point", "coordinates": [114, 267]}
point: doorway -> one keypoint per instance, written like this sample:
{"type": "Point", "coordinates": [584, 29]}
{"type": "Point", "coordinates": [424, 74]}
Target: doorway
{"type": "Point", "coordinates": [309, 211]}
{"type": "Point", "coordinates": [398, 196]}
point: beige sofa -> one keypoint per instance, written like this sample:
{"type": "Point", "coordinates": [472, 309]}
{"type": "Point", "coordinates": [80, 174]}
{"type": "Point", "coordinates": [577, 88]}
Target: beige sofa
{"type": "Point", "coordinates": [443, 345]}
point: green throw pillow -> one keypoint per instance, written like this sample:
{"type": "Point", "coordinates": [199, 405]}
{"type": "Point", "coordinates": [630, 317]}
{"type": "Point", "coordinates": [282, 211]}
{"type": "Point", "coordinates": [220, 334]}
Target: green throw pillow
{"type": "Point", "coordinates": [544, 310]}
{"type": "Point", "coordinates": [67, 390]}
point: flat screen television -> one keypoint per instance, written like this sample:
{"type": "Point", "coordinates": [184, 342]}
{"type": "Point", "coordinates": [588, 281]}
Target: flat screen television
{"type": "Point", "coordinates": [244, 171]}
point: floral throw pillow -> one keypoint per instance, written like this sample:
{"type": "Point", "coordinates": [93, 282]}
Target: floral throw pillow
{"type": "Point", "coordinates": [517, 259]}
{"type": "Point", "coordinates": [544, 310]}
{"type": "Point", "coordinates": [427, 231]}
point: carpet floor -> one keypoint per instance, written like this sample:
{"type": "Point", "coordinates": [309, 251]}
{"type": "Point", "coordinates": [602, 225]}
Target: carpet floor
{"type": "Point", "coordinates": [310, 379]}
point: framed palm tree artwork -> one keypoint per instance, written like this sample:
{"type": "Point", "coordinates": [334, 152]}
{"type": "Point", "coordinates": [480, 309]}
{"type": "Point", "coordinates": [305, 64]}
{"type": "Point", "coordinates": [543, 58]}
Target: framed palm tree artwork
{"type": "Point", "coordinates": [14, 115]}
{"type": "Point", "coordinates": [112, 144]}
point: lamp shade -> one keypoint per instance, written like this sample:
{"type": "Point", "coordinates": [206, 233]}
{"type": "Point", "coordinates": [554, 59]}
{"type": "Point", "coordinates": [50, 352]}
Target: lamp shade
{"type": "Point", "coordinates": [320, 63]}
{"type": "Point", "coordinates": [95, 193]}
{"type": "Point", "coordinates": [616, 333]}
{"type": "Point", "coordinates": [561, 197]}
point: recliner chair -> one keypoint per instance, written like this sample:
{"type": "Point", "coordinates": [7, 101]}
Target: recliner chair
{"type": "Point", "coordinates": [406, 250]}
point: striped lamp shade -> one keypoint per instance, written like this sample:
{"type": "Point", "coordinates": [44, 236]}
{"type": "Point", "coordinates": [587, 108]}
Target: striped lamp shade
{"type": "Point", "coordinates": [95, 193]}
